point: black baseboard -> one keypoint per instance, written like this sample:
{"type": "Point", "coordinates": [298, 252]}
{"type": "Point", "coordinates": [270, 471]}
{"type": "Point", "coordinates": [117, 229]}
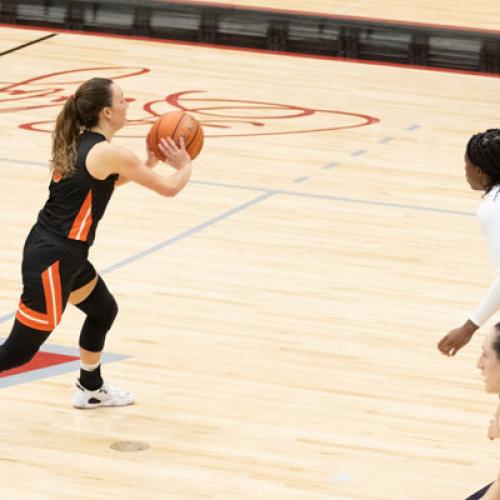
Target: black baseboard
{"type": "Point", "coordinates": [334, 36]}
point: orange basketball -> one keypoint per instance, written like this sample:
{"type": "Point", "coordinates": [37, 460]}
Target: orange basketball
{"type": "Point", "coordinates": [177, 124]}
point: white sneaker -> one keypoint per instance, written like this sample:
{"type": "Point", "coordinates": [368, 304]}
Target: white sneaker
{"type": "Point", "coordinates": [107, 395]}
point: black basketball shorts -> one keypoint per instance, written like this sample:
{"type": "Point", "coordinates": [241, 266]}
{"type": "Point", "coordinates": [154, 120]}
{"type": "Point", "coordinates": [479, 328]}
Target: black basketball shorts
{"type": "Point", "coordinates": [52, 268]}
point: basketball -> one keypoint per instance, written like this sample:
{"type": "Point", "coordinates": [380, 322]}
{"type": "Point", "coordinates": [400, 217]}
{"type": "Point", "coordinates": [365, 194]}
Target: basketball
{"type": "Point", "coordinates": [177, 124]}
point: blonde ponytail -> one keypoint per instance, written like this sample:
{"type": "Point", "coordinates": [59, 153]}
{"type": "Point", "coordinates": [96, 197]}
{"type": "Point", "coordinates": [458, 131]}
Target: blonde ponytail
{"type": "Point", "coordinates": [65, 140]}
{"type": "Point", "coordinates": [81, 111]}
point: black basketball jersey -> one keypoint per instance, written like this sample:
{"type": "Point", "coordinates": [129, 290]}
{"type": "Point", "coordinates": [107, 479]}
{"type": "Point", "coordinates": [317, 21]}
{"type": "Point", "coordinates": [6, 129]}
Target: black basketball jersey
{"type": "Point", "coordinates": [77, 202]}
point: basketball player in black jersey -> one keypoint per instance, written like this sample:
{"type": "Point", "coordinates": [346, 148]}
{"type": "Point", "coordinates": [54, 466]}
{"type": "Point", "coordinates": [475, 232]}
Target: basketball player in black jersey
{"type": "Point", "coordinates": [86, 168]}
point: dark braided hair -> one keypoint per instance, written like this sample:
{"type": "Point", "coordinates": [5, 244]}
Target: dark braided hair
{"type": "Point", "coordinates": [483, 150]}
{"type": "Point", "coordinates": [496, 341]}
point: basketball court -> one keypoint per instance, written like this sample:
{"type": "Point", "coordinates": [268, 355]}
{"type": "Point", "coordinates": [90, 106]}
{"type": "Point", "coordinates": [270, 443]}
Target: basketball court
{"type": "Point", "coordinates": [279, 317]}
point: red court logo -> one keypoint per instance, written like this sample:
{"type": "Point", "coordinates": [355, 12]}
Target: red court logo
{"type": "Point", "coordinates": [220, 117]}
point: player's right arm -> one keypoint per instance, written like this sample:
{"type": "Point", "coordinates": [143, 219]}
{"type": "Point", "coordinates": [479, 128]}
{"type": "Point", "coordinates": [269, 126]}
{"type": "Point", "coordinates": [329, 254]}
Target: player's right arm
{"type": "Point", "coordinates": [107, 159]}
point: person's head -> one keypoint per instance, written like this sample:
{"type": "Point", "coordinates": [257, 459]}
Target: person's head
{"type": "Point", "coordinates": [489, 361]}
{"type": "Point", "coordinates": [482, 160]}
{"type": "Point", "coordinates": [97, 103]}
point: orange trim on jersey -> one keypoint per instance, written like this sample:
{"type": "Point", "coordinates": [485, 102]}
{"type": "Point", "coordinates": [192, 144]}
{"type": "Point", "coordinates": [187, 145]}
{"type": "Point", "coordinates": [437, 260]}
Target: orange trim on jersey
{"type": "Point", "coordinates": [47, 321]}
{"type": "Point", "coordinates": [83, 221]}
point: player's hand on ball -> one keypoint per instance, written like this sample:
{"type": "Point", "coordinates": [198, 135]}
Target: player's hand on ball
{"type": "Point", "coordinates": [175, 156]}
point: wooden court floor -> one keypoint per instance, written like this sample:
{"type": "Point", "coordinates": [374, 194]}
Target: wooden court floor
{"type": "Point", "coordinates": [278, 319]}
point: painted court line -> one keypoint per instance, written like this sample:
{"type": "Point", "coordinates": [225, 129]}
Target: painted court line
{"type": "Point", "coordinates": [266, 194]}
{"type": "Point", "coordinates": [6, 317]}
{"type": "Point", "coordinates": [356, 201]}
{"type": "Point", "coordinates": [301, 179]}
{"type": "Point", "coordinates": [380, 204]}
{"type": "Point", "coordinates": [170, 241]}
{"type": "Point", "coordinates": [189, 232]}
{"type": "Point", "coordinates": [51, 371]}
{"type": "Point", "coordinates": [24, 162]}
{"type": "Point", "coordinates": [359, 152]}
{"type": "Point", "coordinates": [386, 140]}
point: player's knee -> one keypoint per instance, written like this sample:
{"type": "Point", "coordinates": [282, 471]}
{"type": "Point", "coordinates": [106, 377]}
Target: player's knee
{"type": "Point", "coordinates": [21, 346]}
{"type": "Point", "coordinates": [110, 313]}
{"type": "Point", "coordinates": [101, 310]}
{"type": "Point", "coordinates": [102, 315]}
{"type": "Point", "coordinates": [100, 306]}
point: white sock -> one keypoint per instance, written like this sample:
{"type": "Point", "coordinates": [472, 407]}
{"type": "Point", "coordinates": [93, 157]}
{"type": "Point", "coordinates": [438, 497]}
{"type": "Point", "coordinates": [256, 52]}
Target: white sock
{"type": "Point", "coordinates": [89, 368]}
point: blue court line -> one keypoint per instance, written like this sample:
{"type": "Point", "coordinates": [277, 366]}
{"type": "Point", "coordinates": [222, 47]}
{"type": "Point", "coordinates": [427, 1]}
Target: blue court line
{"type": "Point", "coordinates": [74, 365]}
{"type": "Point", "coordinates": [338, 198]}
{"type": "Point", "coordinates": [189, 232]}
{"type": "Point", "coordinates": [6, 317]}
{"type": "Point", "coordinates": [380, 203]}
{"type": "Point", "coordinates": [51, 371]}
{"type": "Point", "coordinates": [301, 179]}
{"type": "Point", "coordinates": [359, 152]}
{"type": "Point", "coordinates": [266, 194]}
{"type": "Point", "coordinates": [23, 162]}
{"type": "Point", "coordinates": [385, 140]}
{"type": "Point", "coordinates": [174, 239]}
